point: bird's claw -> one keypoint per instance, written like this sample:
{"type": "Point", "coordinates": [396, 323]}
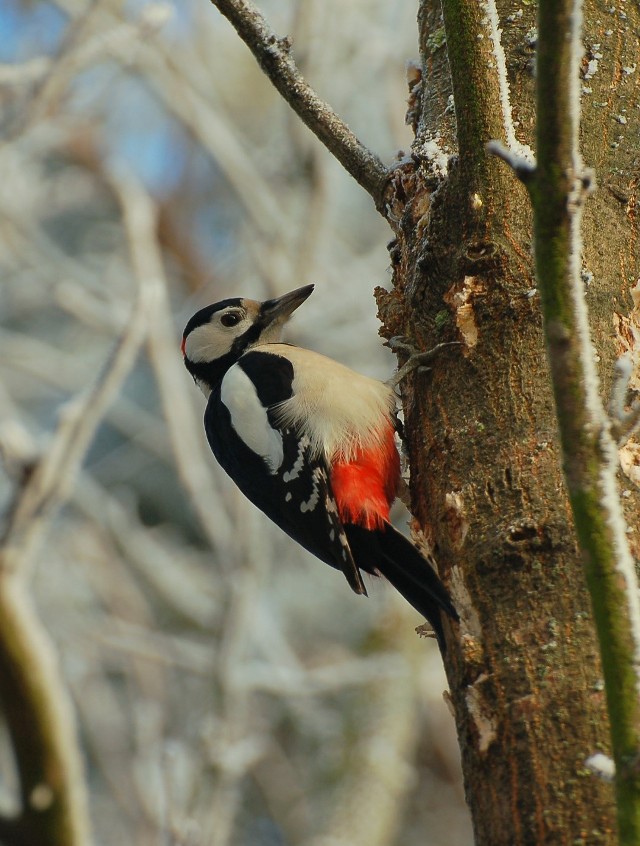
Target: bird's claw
{"type": "Point", "coordinates": [416, 360]}
{"type": "Point", "coordinates": [400, 343]}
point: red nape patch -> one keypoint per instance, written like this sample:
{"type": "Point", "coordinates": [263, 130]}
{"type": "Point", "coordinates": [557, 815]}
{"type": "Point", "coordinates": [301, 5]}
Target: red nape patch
{"type": "Point", "coordinates": [183, 347]}
{"type": "Point", "coordinates": [365, 487]}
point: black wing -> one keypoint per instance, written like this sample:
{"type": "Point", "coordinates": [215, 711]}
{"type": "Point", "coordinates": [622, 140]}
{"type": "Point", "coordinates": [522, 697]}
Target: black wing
{"type": "Point", "coordinates": [274, 467]}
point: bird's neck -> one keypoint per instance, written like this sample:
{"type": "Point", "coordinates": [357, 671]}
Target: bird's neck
{"type": "Point", "coordinates": [209, 374]}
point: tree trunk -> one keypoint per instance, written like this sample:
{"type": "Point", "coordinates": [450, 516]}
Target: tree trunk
{"type": "Point", "coordinates": [486, 478]}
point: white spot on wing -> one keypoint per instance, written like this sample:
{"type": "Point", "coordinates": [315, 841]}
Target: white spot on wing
{"type": "Point", "coordinates": [292, 474]}
{"type": "Point", "coordinates": [249, 417]}
{"type": "Point", "coordinates": [311, 503]}
{"type": "Point", "coordinates": [332, 507]}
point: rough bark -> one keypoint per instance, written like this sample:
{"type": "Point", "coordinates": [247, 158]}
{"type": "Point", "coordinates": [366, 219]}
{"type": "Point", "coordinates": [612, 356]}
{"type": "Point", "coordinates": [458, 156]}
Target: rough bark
{"type": "Point", "coordinates": [487, 485]}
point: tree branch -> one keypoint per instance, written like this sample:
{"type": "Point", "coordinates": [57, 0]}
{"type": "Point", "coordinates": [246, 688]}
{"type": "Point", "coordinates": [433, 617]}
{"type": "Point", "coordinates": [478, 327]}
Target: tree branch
{"type": "Point", "coordinates": [558, 189]}
{"type": "Point", "coordinates": [42, 729]}
{"type": "Point", "coordinates": [483, 109]}
{"type": "Point", "coordinates": [523, 168]}
{"type": "Point", "coordinates": [139, 218]}
{"type": "Point", "coordinates": [274, 57]}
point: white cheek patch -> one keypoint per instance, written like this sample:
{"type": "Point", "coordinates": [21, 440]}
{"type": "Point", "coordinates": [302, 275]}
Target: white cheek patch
{"type": "Point", "coordinates": [249, 417]}
{"type": "Point", "coordinates": [210, 341]}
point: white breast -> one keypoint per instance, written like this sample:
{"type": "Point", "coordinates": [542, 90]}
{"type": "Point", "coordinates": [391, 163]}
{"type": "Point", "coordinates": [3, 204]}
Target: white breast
{"type": "Point", "coordinates": [338, 409]}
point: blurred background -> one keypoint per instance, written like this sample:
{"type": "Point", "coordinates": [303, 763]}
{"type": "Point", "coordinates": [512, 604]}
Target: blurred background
{"type": "Point", "coordinates": [230, 689]}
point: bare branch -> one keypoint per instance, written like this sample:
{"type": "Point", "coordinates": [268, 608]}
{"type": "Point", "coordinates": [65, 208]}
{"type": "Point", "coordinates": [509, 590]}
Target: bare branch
{"type": "Point", "coordinates": [274, 57]}
{"type": "Point", "coordinates": [82, 48]}
{"type": "Point", "coordinates": [51, 481]}
{"type": "Point", "coordinates": [42, 728]}
{"type": "Point", "coordinates": [523, 168]}
{"type": "Point", "coordinates": [140, 222]}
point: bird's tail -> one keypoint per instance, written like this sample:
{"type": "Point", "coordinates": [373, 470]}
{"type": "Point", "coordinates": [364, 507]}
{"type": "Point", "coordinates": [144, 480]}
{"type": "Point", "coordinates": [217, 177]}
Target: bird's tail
{"type": "Point", "coordinates": [397, 559]}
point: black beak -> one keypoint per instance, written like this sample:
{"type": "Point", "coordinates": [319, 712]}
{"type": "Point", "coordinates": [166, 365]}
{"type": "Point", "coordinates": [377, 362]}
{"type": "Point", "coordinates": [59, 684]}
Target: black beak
{"type": "Point", "coordinates": [282, 307]}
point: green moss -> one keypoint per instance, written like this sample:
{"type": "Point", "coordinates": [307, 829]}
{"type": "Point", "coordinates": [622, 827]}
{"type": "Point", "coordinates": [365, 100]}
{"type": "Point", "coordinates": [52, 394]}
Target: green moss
{"type": "Point", "coordinates": [442, 318]}
{"type": "Point", "coordinates": [436, 40]}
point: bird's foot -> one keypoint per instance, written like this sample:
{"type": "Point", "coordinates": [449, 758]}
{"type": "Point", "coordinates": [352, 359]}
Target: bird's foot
{"type": "Point", "coordinates": [416, 360]}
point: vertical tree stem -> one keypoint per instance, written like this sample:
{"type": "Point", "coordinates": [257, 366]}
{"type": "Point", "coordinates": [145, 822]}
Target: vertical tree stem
{"type": "Point", "coordinates": [558, 191]}
{"type": "Point", "coordinates": [40, 720]}
{"type": "Point", "coordinates": [476, 94]}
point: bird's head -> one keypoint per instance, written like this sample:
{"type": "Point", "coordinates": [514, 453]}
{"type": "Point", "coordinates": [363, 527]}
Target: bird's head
{"type": "Point", "coordinates": [216, 336]}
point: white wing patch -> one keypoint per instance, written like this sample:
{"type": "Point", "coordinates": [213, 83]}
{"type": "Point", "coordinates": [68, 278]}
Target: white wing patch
{"type": "Point", "coordinates": [249, 417]}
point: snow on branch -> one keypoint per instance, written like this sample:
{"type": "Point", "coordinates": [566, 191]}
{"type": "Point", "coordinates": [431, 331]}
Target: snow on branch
{"type": "Point", "coordinates": [523, 168]}
{"type": "Point", "coordinates": [520, 152]}
{"type": "Point", "coordinates": [602, 766]}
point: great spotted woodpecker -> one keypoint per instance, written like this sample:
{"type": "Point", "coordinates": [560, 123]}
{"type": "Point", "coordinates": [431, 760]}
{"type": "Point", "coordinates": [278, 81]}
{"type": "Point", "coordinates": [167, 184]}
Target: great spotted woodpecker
{"type": "Point", "coordinates": [310, 442]}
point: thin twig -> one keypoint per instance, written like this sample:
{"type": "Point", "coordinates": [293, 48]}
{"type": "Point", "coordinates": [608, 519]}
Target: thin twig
{"type": "Point", "coordinates": [238, 746]}
{"type": "Point", "coordinates": [51, 481]}
{"type": "Point", "coordinates": [274, 57]}
{"type": "Point", "coordinates": [81, 49]}
{"type": "Point", "coordinates": [523, 168]}
{"type": "Point", "coordinates": [65, 372]}
{"type": "Point", "coordinates": [173, 578]}
{"type": "Point", "coordinates": [194, 467]}
{"type": "Point", "coordinates": [205, 118]}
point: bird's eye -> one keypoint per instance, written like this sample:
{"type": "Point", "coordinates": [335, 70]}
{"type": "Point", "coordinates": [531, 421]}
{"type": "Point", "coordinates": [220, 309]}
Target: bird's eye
{"type": "Point", "coordinates": [230, 319]}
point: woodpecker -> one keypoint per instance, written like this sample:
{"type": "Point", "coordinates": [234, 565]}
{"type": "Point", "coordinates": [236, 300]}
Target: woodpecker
{"type": "Point", "coordinates": [310, 442]}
